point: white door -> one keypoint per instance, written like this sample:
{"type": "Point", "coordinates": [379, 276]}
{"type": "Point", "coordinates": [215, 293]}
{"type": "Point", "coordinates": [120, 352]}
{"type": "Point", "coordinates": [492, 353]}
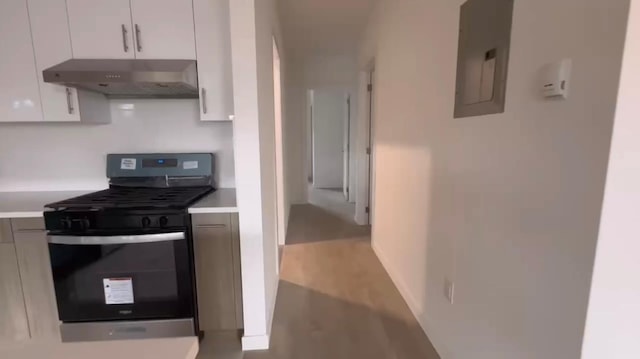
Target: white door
{"type": "Point", "coordinates": [51, 43]}
{"type": "Point", "coordinates": [101, 29]}
{"type": "Point", "coordinates": [19, 95]}
{"type": "Point", "coordinates": [328, 135]}
{"type": "Point", "coordinates": [346, 147]}
{"type": "Point", "coordinates": [213, 41]}
{"type": "Point", "coordinates": [164, 29]}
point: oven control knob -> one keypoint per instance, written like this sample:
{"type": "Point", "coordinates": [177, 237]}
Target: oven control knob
{"type": "Point", "coordinates": [65, 223]}
{"type": "Point", "coordinates": [85, 224]}
{"type": "Point", "coordinates": [146, 222]}
{"type": "Point", "coordinates": [164, 221]}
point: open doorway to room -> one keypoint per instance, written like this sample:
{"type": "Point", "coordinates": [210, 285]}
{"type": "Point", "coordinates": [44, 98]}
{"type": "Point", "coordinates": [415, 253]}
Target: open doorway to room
{"type": "Point", "coordinates": [331, 166]}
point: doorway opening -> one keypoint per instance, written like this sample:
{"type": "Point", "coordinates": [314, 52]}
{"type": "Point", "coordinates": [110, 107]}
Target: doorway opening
{"type": "Point", "coordinates": [331, 162]}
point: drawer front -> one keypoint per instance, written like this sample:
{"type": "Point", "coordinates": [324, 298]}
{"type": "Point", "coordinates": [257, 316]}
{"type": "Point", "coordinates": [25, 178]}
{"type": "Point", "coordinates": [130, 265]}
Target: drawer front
{"type": "Point", "coordinates": [27, 224]}
{"type": "Point", "coordinates": [6, 236]}
{"type": "Point", "coordinates": [211, 220]}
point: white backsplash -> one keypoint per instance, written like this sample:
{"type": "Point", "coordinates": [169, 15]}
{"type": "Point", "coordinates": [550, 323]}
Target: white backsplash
{"type": "Point", "coordinates": [58, 156]}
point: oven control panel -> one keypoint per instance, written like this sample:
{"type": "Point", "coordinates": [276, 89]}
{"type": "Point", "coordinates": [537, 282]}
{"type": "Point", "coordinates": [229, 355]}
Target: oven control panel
{"type": "Point", "coordinates": [100, 221]}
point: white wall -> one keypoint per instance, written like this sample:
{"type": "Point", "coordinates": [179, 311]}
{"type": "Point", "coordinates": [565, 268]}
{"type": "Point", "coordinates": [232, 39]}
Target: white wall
{"type": "Point", "coordinates": [246, 142]}
{"type": "Point", "coordinates": [612, 320]}
{"type": "Point", "coordinates": [268, 27]}
{"type": "Point", "coordinates": [253, 23]}
{"type": "Point", "coordinates": [328, 138]}
{"type": "Point", "coordinates": [508, 205]}
{"type": "Point", "coordinates": [73, 156]}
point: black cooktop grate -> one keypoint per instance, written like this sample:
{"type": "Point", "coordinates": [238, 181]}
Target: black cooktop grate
{"type": "Point", "coordinates": [126, 197]}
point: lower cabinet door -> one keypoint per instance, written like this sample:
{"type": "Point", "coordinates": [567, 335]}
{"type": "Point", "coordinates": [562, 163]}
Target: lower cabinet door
{"type": "Point", "coordinates": [217, 266]}
{"type": "Point", "coordinates": [37, 283]}
{"type": "Point", "coordinates": [13, 317]}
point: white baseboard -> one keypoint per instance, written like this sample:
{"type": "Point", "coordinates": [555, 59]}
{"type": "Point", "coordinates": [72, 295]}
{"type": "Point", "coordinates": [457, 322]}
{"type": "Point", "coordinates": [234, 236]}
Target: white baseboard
{"type": "Point", "coordinates": [438, 344]}
{"type": "Point", "coordinates": [256, 342]}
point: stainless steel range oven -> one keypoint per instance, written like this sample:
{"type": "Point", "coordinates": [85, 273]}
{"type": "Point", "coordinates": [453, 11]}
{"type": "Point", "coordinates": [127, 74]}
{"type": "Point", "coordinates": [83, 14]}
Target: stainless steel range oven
{"type": "Point", "coordinates": [122, 258]}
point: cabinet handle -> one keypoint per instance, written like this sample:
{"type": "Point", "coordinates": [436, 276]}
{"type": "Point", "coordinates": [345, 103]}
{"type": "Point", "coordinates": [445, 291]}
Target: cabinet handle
{"type": "Point", "coordinates": [203, 99]}
{"type": "Point", "coordinates": [138, 42]}
{"type": "Point", "coordinates": [211, 226]}
{"type": "Point", "coordinates": [124, 38]}
{"type": "Point", "coordinates": [26, 231]}
{"type": "Point", "coordinates": [69, 101]}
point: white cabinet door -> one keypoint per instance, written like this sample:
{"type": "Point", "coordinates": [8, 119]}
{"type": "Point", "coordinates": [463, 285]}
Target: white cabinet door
{"type": "Point", "coordinates": [101, 29]}
{"type": "Point", "coordinates": [51, 44]}
{"type": "Point", "coordinates": [19, 95]}
{"type": "Point", "coordinates": [163, 29]}
{"type": "Point", "coordinates": [213, 40]}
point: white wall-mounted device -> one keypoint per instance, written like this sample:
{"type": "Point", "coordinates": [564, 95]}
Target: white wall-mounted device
{"type": "Point", "coordinates": [555, 79]}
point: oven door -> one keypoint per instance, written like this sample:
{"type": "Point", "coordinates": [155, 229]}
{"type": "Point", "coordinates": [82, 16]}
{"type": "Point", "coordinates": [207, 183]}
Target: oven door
{"type": "Point", "coordinates": [128, 277]}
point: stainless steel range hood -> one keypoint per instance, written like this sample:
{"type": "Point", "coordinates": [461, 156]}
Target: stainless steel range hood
{"type": "Point", "coordinates": [128, 78]}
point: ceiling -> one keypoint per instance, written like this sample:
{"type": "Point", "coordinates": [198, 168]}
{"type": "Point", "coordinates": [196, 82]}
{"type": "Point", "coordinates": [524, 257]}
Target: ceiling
{"type": "Point", "coordinates": [323, 27]}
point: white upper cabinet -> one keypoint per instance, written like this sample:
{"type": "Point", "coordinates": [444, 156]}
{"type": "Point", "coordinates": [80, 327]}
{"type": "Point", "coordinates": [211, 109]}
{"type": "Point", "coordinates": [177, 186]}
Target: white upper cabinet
{"type": "Point", "coordinates": [52, 45]}
{"type": "Point", "coordinates": [19, 94]}
{"type": "Point", "coordinates": [213, 40]}
{"type": "Point", "coordinates": [101, 29]}
{"type": "Point", "coordinates": [127, 29]}
{"type": "Point", "coordinates": [163, 29]}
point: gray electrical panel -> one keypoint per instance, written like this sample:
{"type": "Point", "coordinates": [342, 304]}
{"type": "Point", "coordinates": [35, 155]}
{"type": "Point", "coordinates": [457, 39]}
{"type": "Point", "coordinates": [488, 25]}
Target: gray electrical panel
{"type": "Point", "coordinates": [483, 57]}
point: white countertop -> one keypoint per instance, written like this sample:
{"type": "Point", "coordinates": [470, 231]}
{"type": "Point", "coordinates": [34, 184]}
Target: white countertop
{"type": "Point", "coordinates": [31, 204]}
{"type": "Point", "coordinates": [169, 348]}
{"type": "Point", "coordinates": [221, 201]}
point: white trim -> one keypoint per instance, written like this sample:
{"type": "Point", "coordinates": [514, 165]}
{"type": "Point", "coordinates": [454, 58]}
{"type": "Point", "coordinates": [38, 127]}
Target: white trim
{"type": "Point", "coordinates": [412, 303]}
{"type": "Point", "coordinates": [255, 342]}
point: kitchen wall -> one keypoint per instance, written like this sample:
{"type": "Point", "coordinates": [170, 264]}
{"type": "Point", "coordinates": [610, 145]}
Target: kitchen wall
{"type": "Point", "coordinates": [56, 156]}
{"type": "Point", "coordinates": [506, 206]}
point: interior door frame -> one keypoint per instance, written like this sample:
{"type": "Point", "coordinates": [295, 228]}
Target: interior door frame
{"type": "Point", "coordinates": [370, 144]}
{"type": "Point", "coordinates": [346, 155]}
{"type": "Point", "coordinates": [281, 220]}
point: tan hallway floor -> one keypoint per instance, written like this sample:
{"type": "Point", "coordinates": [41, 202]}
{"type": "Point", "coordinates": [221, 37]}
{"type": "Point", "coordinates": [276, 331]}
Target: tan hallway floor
{"type": "Point", "coordinates": [335, 300]}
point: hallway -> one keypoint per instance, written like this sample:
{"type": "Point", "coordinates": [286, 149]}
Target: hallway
{"type": "Point", "coordinates": [335, 299]}
{"type": "Point", "coordinates": [333, 201]}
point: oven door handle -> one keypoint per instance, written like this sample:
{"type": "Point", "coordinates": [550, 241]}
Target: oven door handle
{"type": "Point", "coordinates": [106, 240]}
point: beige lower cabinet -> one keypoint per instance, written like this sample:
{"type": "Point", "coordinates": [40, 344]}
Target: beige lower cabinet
{"type": "Point", "coordinates": [13, 316]}
{"type": "Point", "coordinates": [5, 231]}
{"type": "Point", "coordinates": [217, 262]}
{"type": "Point", "coordinates": [37, 281]}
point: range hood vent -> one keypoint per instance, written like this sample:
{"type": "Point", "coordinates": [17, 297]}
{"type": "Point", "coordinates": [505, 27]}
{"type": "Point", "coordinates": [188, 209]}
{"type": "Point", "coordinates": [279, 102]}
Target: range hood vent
{"type": "Point", "coordinates": [128, 78]}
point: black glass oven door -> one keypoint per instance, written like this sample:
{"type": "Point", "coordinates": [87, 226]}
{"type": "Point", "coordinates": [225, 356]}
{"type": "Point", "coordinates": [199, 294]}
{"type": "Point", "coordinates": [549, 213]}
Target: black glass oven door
{"type": "Point", "coordinates": [122, 277]}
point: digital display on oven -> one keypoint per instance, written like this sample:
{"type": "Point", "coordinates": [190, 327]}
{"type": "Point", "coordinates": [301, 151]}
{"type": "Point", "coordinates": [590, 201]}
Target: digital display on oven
{"type": "Point", "coordinates": [159, 163]}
